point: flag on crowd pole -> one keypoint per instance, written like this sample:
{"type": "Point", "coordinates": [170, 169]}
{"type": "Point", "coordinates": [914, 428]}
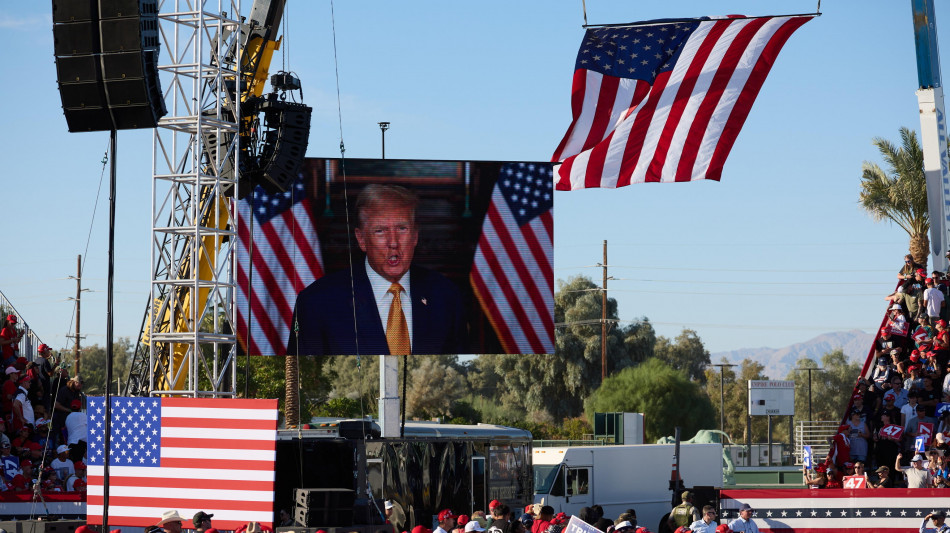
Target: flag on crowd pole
{"type": "Point", "coordinates": [513, 271]}
{"type": "Point", "coordinates": [185, 454]}
{"type": "Point", "coordinates": [286, 258]}
{"type": "Point", "coordinates": [663, 101]}
{"type": "Point", "coordinates": [828, 510]}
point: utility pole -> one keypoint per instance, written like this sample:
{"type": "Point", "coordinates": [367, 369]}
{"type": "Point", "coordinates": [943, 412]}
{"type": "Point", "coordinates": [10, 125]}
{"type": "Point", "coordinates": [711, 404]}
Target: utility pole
{"type": "Point", "coordinates": [603, 321]}
{"type": "Point", "coordinates": [79, 291]}
{"type": "Point", "coordinates": [722, 396]}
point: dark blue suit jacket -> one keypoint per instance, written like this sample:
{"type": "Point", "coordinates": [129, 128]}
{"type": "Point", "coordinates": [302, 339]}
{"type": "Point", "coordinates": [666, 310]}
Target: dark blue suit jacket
{"type": "Point", "coordinates": [323, 316]}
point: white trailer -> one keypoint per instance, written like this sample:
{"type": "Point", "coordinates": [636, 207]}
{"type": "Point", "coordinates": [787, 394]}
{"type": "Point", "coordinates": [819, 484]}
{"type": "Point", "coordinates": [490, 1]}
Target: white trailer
{"type": "Point", "coordinates": [621, 477]}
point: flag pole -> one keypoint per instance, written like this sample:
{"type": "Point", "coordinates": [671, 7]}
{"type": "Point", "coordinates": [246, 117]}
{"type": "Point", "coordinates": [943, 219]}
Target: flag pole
{"type": "Point", "coordinates": [110, 279]}
{"type": "Point", "coordinates": [584, 7]}
{"type": "Point", "coordinates": [674, 21]}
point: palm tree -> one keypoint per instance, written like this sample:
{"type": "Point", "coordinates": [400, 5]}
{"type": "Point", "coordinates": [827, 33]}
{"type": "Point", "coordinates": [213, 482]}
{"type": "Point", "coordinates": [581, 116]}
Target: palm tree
{"type": "Point", "coordinates": [291, 392]}
{"type": "Point", "coordinates": [900, 195]}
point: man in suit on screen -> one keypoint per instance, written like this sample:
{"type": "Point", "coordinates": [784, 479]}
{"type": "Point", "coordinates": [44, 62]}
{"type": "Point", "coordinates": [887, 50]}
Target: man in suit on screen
{"type": "Point", "coordinates": [388, 306]}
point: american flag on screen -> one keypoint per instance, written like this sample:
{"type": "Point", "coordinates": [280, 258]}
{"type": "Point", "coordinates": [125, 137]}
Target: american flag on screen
{"type": "Point", "coordinates": [513, 271]}
{"type": "Point", "coordinates": [828, 510]}
{"type": "Point", "coordinates": [664, 100]}
{"type": "Point", "coordinates": [286, 258]}
{"type": "Point", "coordinates": [186, 454]}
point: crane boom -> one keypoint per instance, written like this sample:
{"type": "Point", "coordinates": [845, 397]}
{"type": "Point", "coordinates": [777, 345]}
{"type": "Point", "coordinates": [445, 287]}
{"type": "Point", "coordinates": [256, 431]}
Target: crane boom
{"type": "Point", "coordinates": [933, 130]}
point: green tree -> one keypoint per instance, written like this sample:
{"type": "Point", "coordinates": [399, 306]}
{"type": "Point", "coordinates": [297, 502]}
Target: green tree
{"type": "Point", "coordinates": [900, 194]}
{"type": "Point", "coordinates": [667, 395]}
{"type": "Point", "coordinates": [265, 379]}
{"type": "Point", "coordinates": [94, 366]}
{"type": "Point", "coordinates": [685, 353]}
{"type": "Point", "coordinates": [433, 388]}
{"type": "Point", "coordinates": [736, 401]}
{"type": "Point", "coordinates": [831, 387]}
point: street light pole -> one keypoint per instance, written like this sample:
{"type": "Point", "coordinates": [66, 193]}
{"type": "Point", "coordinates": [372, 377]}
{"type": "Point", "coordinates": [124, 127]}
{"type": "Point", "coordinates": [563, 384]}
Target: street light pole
{"type": "Point", "coordinates": [722, 396]}
{"type": "Point", "coordinates": [383, 126]}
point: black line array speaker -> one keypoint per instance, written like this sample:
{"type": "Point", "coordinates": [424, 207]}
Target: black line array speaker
{"type": "Point", "coordinates": [107, 63]}
{"type": "Point", "coordinates": [324, 507]}
{"type": "Point", "coordinates": [286, 135]}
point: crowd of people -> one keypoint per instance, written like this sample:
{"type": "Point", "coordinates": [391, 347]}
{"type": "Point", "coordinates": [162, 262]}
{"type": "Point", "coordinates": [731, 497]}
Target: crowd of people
{"type": "Point", "coordinates": [897, 427]}
{"type": "Point", "coordinates": [42, 422]}
{"type": "Point", "coordinates": [537, 518]}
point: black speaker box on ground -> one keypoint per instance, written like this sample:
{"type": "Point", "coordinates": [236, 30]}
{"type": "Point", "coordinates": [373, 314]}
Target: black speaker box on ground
{"type": "Point", "coordinates": [324, 507]}
{"type": "Point", "coordinates": [107, 63]}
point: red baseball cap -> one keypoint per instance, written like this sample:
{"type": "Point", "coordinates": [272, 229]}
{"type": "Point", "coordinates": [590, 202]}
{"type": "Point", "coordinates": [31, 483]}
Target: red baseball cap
{"type": "Point", "coordinates": [43, 348]}
{"type": "Point", "coordinates": [445, 514]}
{"type": "Point", "coordinates": [462, 520]}
{"type": "Point", "coordinates": [11, 318]}
{"type": "Point", "coordinates": [921, 272]}
{"type": "Point", "coordinates": [79, 465]}
{"type": "Point", "coordinates": [723, 528]}
{"type": "Point", "coordinates": [494, 503]}
{"type": "Point", "coordinates": [421, 529]}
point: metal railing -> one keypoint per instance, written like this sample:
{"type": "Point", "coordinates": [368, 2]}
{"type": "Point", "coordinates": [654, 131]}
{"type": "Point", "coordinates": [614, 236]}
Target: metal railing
{"type": "Point", "coordinates": [30, 341]}
{"type": "Point", "coordinates": [813, 433]}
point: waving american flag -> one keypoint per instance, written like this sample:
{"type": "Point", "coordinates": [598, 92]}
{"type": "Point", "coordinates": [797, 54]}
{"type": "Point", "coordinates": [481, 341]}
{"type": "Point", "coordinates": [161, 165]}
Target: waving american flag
{"type": "Point", "coordinates": [664, 100]}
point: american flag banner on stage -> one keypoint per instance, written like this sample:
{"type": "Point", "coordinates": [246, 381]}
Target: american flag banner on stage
{"type": "Point", "coordinates": [663, 101]}
{"type": "Point", "coordinates": [286, 258]}
{"type": "Point", "coordinates": [187, 454]}
{"type": "Point", "coordinates": [828, 510]}
{"type": "Point", "coordinates": [513, 271]}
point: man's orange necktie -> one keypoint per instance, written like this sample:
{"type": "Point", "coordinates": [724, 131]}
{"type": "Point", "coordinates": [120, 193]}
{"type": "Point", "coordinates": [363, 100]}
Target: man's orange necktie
{"type": "Point", "coordinates": [397, 331]}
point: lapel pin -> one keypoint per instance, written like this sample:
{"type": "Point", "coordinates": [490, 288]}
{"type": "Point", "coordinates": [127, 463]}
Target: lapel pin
{"type": "Point", "coordinates": [424, 302]}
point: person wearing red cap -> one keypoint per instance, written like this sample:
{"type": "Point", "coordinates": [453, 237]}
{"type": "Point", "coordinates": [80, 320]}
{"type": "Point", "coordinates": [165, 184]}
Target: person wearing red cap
{"type": "Point", "coordinates": [446, 521]}
{"type": "Point", "coordinates": [9, 338]}
{"type": "Point", "coordinates": [421, 529]}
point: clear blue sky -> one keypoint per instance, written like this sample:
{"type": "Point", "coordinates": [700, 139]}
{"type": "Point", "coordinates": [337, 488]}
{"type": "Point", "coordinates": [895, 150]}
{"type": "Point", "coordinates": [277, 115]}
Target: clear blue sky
{"type": "Point", "coordinates": [776, 253]}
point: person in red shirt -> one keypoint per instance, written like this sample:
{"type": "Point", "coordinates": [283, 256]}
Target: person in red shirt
{"type": "Point", "coordinates": [9, 337]}
{"type": "Point", "coordinates": [545, 515]}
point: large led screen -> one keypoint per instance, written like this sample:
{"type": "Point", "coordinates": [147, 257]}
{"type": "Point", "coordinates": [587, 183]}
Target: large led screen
{"type": "Point", "coordinates": [385, 256]}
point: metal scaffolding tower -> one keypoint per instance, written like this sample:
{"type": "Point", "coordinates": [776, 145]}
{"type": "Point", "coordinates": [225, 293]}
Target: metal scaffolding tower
{"type": "Point", "coordinates": [191, 324]}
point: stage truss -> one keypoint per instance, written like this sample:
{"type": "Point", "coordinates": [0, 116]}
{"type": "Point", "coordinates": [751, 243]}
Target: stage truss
{"type": "Point", "coordinates": [192, 323]}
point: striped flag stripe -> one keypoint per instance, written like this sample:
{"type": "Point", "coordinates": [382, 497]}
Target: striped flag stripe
{"type": "Point", "coordinates": [130, 494]}
{"type": "Point", "coordinates": [281, 258]}
{"type": "Point", "coordinates": [178, 452]}
{"type": "Point", "coordinates": [512, 272]}
{"type": "Point", "coordinates": [147, 483]}
{"type": "Point", "coordinates": [121, 472]}
{"type": "Point", "coordinates": [519, 267]}
{"type": "Point", "coordinates": [143, 516]}
{"type": "Point", "coordinates": [242, 503]}
{"type": "Point", "coordinates": [694, 82]}
{"type": "Point", "coordinates": [232, 444]}
{"type": "Point", "coordinates": [750, 91]}
{"type": "Point", "coordinates": [261, 297]}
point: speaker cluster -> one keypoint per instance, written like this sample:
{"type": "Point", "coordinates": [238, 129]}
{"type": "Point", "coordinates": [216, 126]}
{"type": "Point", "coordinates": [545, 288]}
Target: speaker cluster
{"type": "Point", "coordinates": [107, 63]}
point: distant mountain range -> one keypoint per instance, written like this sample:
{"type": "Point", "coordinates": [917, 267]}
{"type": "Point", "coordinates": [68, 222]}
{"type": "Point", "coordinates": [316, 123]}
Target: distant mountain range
{"type": "Point", "coordinates": [779, 361]}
